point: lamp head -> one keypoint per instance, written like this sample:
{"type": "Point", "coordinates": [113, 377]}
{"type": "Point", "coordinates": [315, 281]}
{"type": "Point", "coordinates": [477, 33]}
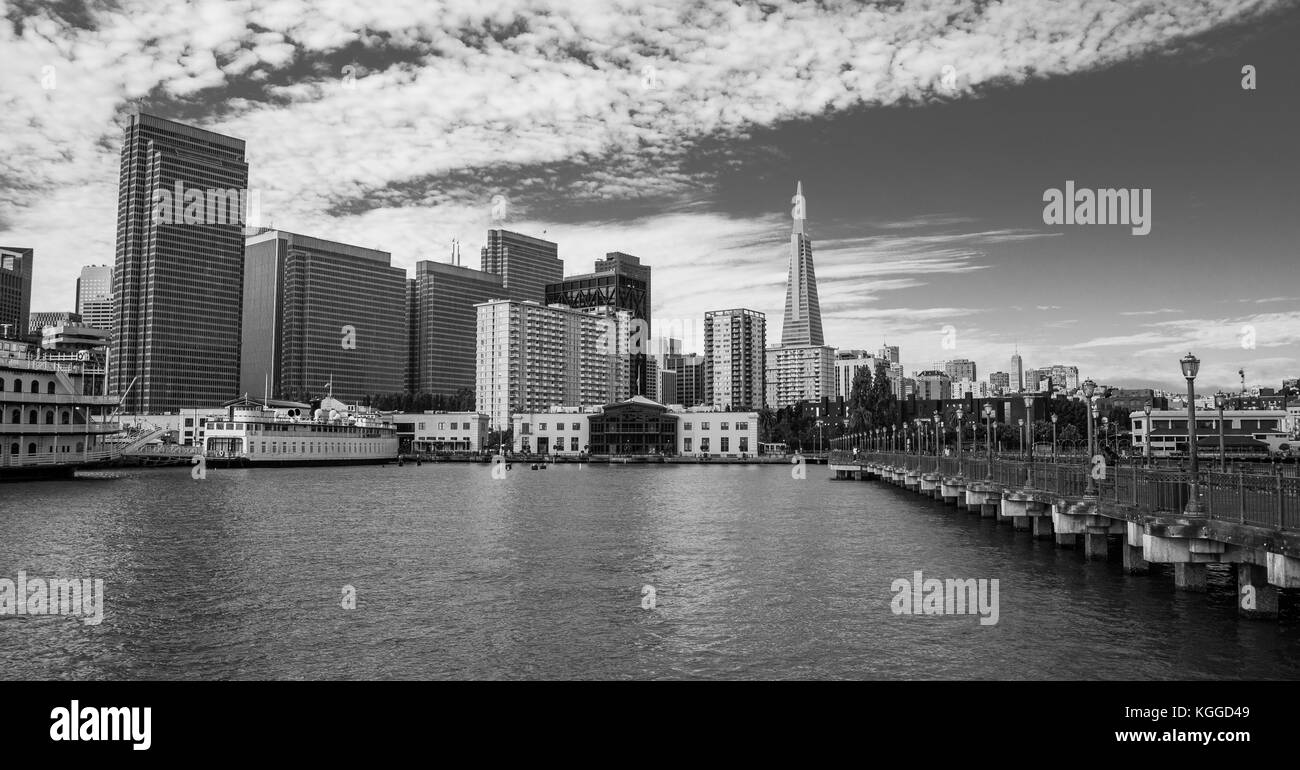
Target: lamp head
{"type": "Point", "coordinates": [1054, 416]}
{"type": "Point", "coordinates": [1089, 387]}
{"type": "Point", "coordinates": [1191, 365]}
{"type": "Point", "coordinates": [1146, 408]}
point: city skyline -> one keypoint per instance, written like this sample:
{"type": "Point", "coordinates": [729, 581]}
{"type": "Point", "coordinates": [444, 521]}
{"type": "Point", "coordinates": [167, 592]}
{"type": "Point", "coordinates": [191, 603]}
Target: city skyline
{"type": "Point", "coordinates": [660, 154]}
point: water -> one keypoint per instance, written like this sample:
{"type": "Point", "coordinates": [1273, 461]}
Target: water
{"type": "Point", "coordinates": [457, 575]}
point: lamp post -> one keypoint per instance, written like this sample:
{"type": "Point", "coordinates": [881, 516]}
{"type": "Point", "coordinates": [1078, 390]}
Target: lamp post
{"type": "Point", "coordinates": [1089, 387]}
{"type": "Point", "coordinates": [1029, 425]}
{"type": "Point", "coordinates": [1191, 365]}
{"type": "Point", "coordinates": [1105, 431]}
{"type": "Point", "coordinates": [938, 434]}
{"type": "Point", "coordinates": [1146, 445]}
{"type": "Point", "coordinates": [1021, 423]}
{"type": "Point", "coordinates": [1054, 417]}
{"type": "Point", "coordinates": [988, 437]}
{"type": "Point", "coordinates": [1221, 400]}
{"type": "Point", "coordinates": [960, 414]}
{"type": "Point", "coordinates": [917, 423]}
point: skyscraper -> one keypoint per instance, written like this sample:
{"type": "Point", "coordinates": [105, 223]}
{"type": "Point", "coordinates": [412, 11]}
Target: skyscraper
{"type": "Point", "coordinates": [446, 319]}
{"type": "Point", "coordinates": [734, 348]}
{"type": "Point", "coordinates": [15, 289]}
{"type": "Point", "coordinates": [889, 353]}
{"type": "Point", "coordinates": [620, 281]}
{"type": "Point", "coordinates": [803, 313]}
{"type": "Point", "coordinates": [527, 265]}
{"type": "Point", "coordinates": [1017, 371]}
{"type": "Point", "coordinates": [317, 311]}
{"type": "Point", "coordinates": [95, 296]}
{"type": "Point", "coordinates": [178, 280]}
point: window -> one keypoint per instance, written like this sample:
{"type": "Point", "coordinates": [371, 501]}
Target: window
{"type": "Point", "coordinates": [189, 422]}
{"type": "Point", "coordinates": [542, 426]}
{"type": "Point", "coordinates": [704, 426]}
{"type": "Point", "coordinates": [686, 445]}
{"type": "Point", "coordinates": [725, 426]}
{"type": "Point", "coordinates": [686, 426]}
{"type": "Point", "coordinates": [35, 387]}
{"type": "Point", "coordinates": [17, 416]}
{"type": "Point", "coordinates": [66, 417]}
{"type": "Point", "coordinates": [18, 386]}
{"type": "Point", "coordinates": [726, 440]}
{"type": "Point", "coordinates": [50, 388]}
{"type": "Point", "coordinates": [576, 426]}
{"type": "Point", "coordinates": [31, 448]}
{"type": "Point", "coordinates": [742, 426]}
{"type": "Point", "coordinates": [33, 417]}
{"type": "Point", "coordinates": [573, 443]}
{"type": "Point", "coordinates": [744, 443]}
{"type": "Point", "coordinates": [466, 426]}
{"type": "Point", "coordinates": [704, 444]}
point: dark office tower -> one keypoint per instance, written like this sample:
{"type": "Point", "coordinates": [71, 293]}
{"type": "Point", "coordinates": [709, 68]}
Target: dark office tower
{"type": "Point", "coordinates": [621, 281]}
{"type": "Point", "coordinates": [15, 290]}
{"type": "Point", "coordinates": [526, 264]}
{"type": "Point", "coordinates": [445, 296]}
{"type": "Point", "coordinates": [95, 296]}
{"type": "Point", "coordinates": [803, 313]}
{"type": "Point", "coordinates": [317, 312]}
{"type": "Point", "coordinates": [178, 282]}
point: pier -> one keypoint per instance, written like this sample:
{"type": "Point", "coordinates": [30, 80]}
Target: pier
{"type": "Point", "coordinates": [1247, 519]}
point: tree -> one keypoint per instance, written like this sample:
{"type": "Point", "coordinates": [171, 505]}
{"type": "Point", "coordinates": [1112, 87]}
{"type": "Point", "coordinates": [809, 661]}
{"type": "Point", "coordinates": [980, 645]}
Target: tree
{"type": "Point", "coordinates": [861, 402]}
{"type": "Point", "coordinates": [883, 406]}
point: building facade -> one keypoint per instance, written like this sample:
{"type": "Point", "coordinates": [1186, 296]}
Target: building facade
{"type": "Point", "coordinates": [735, 345]}
{"type": "Point", "coordinates": [802, 324]}
{"type": "Point", "coordinates": [622, 282]}
{"type": "Point", "coordinates": [527, 265]}
{"type": "Point", "coordinates": [999, 383]}
{"type": "Point", "coordinates": [637, 427]}
{"type": "Point", "coordinates": [15, 290]}
{"type": "Point", "coordinates": [178, 282]}
{"type": "Point", "coordinates": [434, 431]}
{"type": "Point", "coordinates": [960, 369]}
{"type": "Point", "coordinates": [798, 373]}
{"type": "Point", "coordinates": [847, 365]}
{"type": "Point", "coordinates": [38, 321]}
{"type": "Point", "coordinates": [1246, 432]}
{"type": "Point", "coordinates": [95, 296]}
{"type": "Point", "coordinates": [445, 320]}
{"type": "Point", "coordinates": [317, 312]}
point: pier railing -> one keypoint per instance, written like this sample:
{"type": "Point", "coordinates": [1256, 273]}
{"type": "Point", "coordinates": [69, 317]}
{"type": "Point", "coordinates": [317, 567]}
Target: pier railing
{"type": "Point", "coordinates": [1258, 499]}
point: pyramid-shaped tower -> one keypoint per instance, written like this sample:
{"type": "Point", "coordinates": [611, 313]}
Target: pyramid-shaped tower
{"type": "Point", "coordinates": [803, 313]}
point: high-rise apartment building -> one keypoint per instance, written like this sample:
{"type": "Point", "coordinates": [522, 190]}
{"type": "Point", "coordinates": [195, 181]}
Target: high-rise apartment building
{"type": "Point", "coordinates": [178, 279]}
{"type": "Point", "coordinates": [999, 383]}
{"type": "Point", "coordinates": [619, 281]}
{"type": "Point", "coordinates": [795, 373]}
{"type": "Point", "coordinates": [95, 296]}
{"type": "Point", "coordinates": [527, 265]}
{"type": "Point", "coordinates": [933, 384]}
{"type": "Point", "coordinates": [734, 352]}
{"type": "Point", "coordinates": [318, 312]}
{"type": "Point", "coordinates": [847, 365]}
{"type": "Point", "coordinates": [15, 290]}
{"type": "Point", "coordinates": [531, 357]}
{"type": "Point", "coordinates": [445, 319]}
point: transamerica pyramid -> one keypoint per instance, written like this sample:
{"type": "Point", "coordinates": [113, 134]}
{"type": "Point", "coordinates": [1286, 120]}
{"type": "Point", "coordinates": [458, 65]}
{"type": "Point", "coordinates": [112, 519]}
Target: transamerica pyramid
{"type": "Point", "coordinates": [803, 313]}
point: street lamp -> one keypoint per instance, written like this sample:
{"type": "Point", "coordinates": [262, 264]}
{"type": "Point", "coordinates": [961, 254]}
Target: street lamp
{"type": "Point", "coordinates": [1105, 431]}
{"type": "Point", "coordinates": [917, 423]}
{"type": "Point", "coordinates": [1146, 445]}
{"type": "Point", "coordinates": [1191, 365]}
{"type": "Point", "coordinates": [1029, 420]}
{"type": "Point", "coordinates": [1089, 387]}
{"type": "Point", "coordinates": [938, 435]}
{"type": "Point", "coordinates": [1221, 400]}
{"type": "Point", "coordinates": [1021, 422]}
{"type": "Point", "coordinates": [1054, 416]}
{"type": "Point", "coordinates": [960, 414]}
{"type": "Point", "coordinates": [988, 437]}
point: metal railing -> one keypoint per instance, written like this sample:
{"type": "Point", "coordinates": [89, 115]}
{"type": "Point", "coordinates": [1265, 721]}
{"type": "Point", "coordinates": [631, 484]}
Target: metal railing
{"type": "Point", "coordinates": [1270, 500]}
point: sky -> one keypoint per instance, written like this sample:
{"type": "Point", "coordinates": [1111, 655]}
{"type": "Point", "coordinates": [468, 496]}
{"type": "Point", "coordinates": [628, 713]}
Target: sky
{"type": "Point", "coordinates": [925, 134]}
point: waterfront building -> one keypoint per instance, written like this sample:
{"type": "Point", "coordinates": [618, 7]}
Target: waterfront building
{"type": "Point", "coordinates": [95, 296]}
{"type": "Point", "coordinates": [15, 290]}
{"type": "Point", "coordinates": [619, 281]}
{"type": "Point", "coordinates": [640, 427]}
{"type": "Point", "coordinates": [178, 285]}
{"type": "Point", "coordinates": [434, 431]}
{"type": "Point", "coordinates": [317, 312]}
{"type": "Point", "coordinates": [445, 323]}
{"type": "Point", "coordinates": [735, 357]}
{"type": "Point", "coordinates": [531, 357]}
{"type": "Point", "coordinates": [1246, 431]}
{"type": "Point", "coordinates": [527, 265]}
{"type": "Point", "coordinates": [799, 373]}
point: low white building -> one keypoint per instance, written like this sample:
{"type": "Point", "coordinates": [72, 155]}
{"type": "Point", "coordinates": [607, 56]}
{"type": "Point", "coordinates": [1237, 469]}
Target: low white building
{"type": "Point", "coordinates": [637, 426]}
{"type": "Point", "coordinates": [441, 431]}
{"type": "Point", "coordinates": [1246, 431]}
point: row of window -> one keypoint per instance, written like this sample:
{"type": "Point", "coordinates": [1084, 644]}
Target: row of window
{"type": "Point", "coordinates": [578, 426]}
{"type": "Point", "coordinates": [34, 387]}
{"type": "Point", "coordinates": [33, 417]}
{"type": "Point", "coordinates": [443, 426]}
{"type": "Point", "coordinates": [288, 447]}
{"type": "Point", "coordinates": [31, 448]}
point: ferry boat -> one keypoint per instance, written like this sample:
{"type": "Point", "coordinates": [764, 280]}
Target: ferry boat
{"type": "Point", "coordinates": [51, 421]}
{"type": "Point", "coordinates": [254, 433]}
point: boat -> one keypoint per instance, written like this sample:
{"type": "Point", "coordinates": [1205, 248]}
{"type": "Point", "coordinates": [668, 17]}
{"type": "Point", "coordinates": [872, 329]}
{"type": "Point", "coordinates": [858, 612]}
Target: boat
{"type": "Point", "coordinates": [51, 422]}
{"type": "Point", "coordinates": [265, 432]}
